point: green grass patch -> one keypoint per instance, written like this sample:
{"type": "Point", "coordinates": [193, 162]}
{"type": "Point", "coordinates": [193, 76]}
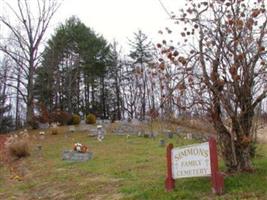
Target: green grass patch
{"type": "Point", "coordinates": [121, 168]}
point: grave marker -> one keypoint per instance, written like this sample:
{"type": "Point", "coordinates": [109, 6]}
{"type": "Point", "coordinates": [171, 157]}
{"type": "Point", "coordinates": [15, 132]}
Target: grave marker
{"type": "Point", "coordinates": [72, 129]}
{"type": "Point", "coordinates": [162, 143]}
{"type": "Point", "coordinates": [100, 133]}
{"type": "Point", "coordinates": [76, 156]}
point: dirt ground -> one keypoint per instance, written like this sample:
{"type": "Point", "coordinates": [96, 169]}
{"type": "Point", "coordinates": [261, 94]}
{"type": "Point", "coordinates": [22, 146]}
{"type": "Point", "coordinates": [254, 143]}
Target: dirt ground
{"type": "Point", "coordinates": [2, 141]}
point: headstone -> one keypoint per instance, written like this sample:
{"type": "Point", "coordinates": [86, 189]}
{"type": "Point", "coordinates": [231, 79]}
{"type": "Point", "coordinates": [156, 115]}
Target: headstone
{"type": "Point", "coordinates": [72, 129]}
{"type": "Point", "coordinates": [43, 125]}
{"type": "Point", "coordinates": [139, 134]}
{"type": "Point", "coordinates": [42, 135]}
{"type": "Point", "coordinates": [179, 130]}
{"type": "Point", "coordinates": [162, 143]}
{"type": "Point", "coordinates": [92, 132]}
{"type": "Point", "coordinates": [54, 125]}
{"type": "Point", "coordinates": [152, 134]}
{"type": "Point", "coordinates": [135, 122]}
{"type": "Point", "coordinates": [189, 136]}
{"type": "Point", "coordinates": [76, 156]}
{"type": "Point", "coordinates": [169, 134]}
{"type": "Point", "coordinates": [105, 121]}
{"type": "Point", "coordinates": [100, 133]}
{"type": "Point", "coordinates": [199, 136]}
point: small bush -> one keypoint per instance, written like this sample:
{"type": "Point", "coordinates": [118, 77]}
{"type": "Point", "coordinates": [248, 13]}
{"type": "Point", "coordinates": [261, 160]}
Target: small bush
{"type": "Point", "coordinates": [44, 114]}
{"type": "Point", "coordinates": [90, 119]}
{"type": "Point", "coordinates": [54, 129]}
{"type": "Point", "coordinates": [146, 135]}
{"type": "Point", "coordinates": [76, 119]}
{"type": "Point", "coordinates": [61, 117]}
{"type": "Point", "coordinates": [66, 118]}
{"type": "Point", "coordinates": [19, 149]}
{"type": "Point", "coordinates": [17, 145]}
{"type": "Point", "coordinates": [153, 113]}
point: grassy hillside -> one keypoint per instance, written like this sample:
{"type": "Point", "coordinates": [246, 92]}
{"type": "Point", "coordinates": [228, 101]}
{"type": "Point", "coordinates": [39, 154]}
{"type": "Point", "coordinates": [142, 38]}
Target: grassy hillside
{"type": "Point", "coordinates": [121, 168]}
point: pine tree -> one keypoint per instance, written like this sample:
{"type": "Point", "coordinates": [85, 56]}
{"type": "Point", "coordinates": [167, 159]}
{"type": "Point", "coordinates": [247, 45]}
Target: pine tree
{"type": "Point", "coordinates": [5, 118]}
{"type": "Point", "coordinates": [141, 54]}
{"type": "Point", "coordinates": [73, 66]}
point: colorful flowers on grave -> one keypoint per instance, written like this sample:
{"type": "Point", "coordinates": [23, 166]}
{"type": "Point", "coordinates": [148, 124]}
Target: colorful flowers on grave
{"type": "Point", "coordinates": [80, 148]}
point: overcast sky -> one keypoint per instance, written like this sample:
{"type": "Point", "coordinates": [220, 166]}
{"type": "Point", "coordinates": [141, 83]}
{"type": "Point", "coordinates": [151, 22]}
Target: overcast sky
{"type": "Point", "coordinates": [115, 19]}
{"type": "Point", "coordinates": [118, 19]}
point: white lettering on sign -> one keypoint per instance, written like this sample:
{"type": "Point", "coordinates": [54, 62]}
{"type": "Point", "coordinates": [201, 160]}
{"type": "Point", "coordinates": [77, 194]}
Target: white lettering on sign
{"type": "Point", "coordinates": [191, 161]}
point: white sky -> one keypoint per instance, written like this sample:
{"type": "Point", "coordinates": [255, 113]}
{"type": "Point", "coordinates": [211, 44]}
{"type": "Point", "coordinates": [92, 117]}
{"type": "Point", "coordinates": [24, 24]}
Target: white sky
{"type": "Point", "coordinates": [115, 19]}
{"type": "Point", "coordinates": [119, 19]}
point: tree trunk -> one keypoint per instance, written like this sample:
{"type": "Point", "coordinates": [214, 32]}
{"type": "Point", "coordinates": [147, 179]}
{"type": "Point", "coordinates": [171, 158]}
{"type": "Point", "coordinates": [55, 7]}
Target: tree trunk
{"type": "Point", "coordinates": [103, 99]}
{"type": "Point", "coordinates": [17, 120]}
{"type": "Point", "coordinates": [93, 97]}
{"type": "Point", "coordinates": [152, 96]}
{"type": "Point", "coordinates": [29, 116]}
{"type": "Point", "coordinates": [87, 98]}
{"type": "Point", "coordinates": [3, 95]}
{"type": "Point", "coordinates": [118, 98]}
{"type": "Point", "coordinates": [228, 150]}
{"type": "Point", "coordinates": [144, 98]}
{"type": "Point", "coordinates": [30, 103]}
{"type": "Point", "coordinates": [235, 146]}
{"type": "Point", "coordinates": [225, 138]}
{"type": "Point", "coordinates": [244, 157]}
{"type": "Point", "coordinates": [227, 145]}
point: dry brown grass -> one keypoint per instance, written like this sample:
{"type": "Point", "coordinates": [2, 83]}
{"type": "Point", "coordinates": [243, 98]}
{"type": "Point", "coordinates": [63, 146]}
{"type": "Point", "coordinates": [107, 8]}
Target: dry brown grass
{"type": "Point", "coordinates": [196, 124]}
{"type": "Point", "coordinates": [19, 149]}
{"type": "Point", "coordinates": [54, 131]}
{"type": "Point", "coordinates": [17, 145]}
{"type": "Point", "coordinates": [57, 130]}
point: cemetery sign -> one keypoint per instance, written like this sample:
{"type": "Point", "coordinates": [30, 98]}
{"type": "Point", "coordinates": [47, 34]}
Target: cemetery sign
{"type": "Point", "coordinates": [191, 161]}
{"type": "Point", "coordinates": [194, 161]}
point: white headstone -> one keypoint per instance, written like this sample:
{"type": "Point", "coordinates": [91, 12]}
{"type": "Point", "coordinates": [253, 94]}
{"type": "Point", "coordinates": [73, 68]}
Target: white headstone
{"type": "Point", "coordinates": [100, 133]}
{"type": "Point", "coordinates": [189, 136]}
{"type": "Point", "coordinates": [72, 129]}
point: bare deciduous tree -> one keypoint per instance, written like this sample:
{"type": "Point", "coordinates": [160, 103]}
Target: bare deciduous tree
{"type": "Point", "coordinates": [32, 20]}
{"type": "Point", "coordinates": [226, 68]}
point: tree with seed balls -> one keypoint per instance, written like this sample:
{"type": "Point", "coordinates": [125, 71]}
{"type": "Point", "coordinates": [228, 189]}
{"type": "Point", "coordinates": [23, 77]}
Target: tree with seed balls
{"type": "Point", "coordinates": [224, 62]}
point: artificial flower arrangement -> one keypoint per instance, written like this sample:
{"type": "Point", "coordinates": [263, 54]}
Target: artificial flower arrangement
{"type": "Point", "coordinates": [80, 148]}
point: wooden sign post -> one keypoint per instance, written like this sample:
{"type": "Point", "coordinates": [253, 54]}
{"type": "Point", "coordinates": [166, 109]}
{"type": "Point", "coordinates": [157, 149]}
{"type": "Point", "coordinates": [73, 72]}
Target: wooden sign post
{"type": "Point", "coordinates": [169, 182]}
{"type": "Point", "coordinates": [194, 161]}
{"type": "Point", "coordinates": [216, 177]}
